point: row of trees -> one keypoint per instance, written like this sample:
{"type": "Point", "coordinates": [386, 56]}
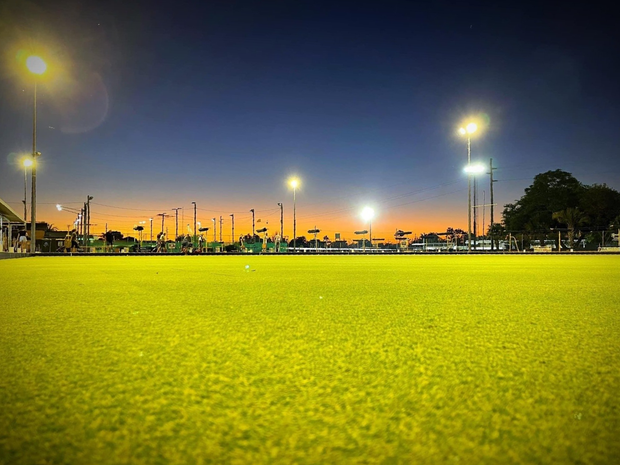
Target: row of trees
{"type": "Point", "coordinates": [556, 200]}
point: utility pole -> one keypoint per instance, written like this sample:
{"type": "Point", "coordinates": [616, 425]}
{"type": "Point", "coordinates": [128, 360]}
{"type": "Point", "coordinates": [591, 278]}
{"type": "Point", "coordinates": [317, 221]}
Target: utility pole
{"type": "Point", "coordinates": [281, 220]}
{"type": "Point", "coordinates": [176, 222]}
{"type": "Point", "coordinates": [88, 199]}
{"type": "Point", "coordinates": [194, 241]}
{"type": "Point", "coordinates": [221, 224]}
{"type": "Point", "coordinates": [232, 215]}
{"type": "Point", "coordinates": [491, 169]}
{"type": "Point", "coordinates": [253, 227]}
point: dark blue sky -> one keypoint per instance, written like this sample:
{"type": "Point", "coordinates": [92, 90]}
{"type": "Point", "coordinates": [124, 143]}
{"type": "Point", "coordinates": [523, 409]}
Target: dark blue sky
{"type": "Point", "coordinates": [151, 105]}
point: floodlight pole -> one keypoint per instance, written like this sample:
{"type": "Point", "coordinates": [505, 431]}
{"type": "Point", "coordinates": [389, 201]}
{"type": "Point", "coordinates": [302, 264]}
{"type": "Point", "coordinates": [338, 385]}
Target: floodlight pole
{"type": "Point", "coordinates": [176, 223]}
{"type": "Point", "coordinates": [252, 210]}
{"type": "Point", "coordinates": [294, 221]}
{"type": "Point", "coordinates": [232, 215]}
{"type": "Point", "coordinates": [214, 230]}
{"type": "Point", "coordinates": [221, 224]}
{"type": "Point", "coordinates": [25, 196]}
{"type": "Point", "coordinates": [475, 212]}
{"type": "Point", "coordinates": [491, 169]}
{"type": "Point", "coordinates": [468, 193]}
{"type": "Point", "coordinates": [35, 154]}
{"type": "Point", "coordinates": [281, 219]}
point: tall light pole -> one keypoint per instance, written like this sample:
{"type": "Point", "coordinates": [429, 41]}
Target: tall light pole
{"type": "Point", "coordinates": [214, 231]}
{"type": "Point", "coordinates": [474, 169]}
{"type": "Point", "coordinates": [468, 131]}
{"type": "Point", "coordinates": [176, 222]}
{"type": "Point", "coordinates": [27, 163]}
{"type": "Point", "coordinates": [491, 169]}
{"type": "Point", "coordinates": [232, 215]}
{"type": "Point", "coordinates": [294, 183]}
{"type": "Point", "coordinates": [367, 215]}
{"type": "Point", "coordinates": [140, 225]}
{"type": "Point", "coordinates": [281, 220]}
{"type": "Point", "coordinates": [194, 241]}
{"type": "Point", "coordinates": [221, 224]}
{"type": "Point", "coordinates": [36, 66]}
{"type": "Point", "coordinates": [151, 220]}
{"type": "Point", "coordinates": [253, 227]}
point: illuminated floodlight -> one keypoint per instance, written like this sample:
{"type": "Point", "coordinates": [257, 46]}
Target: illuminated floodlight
{"type": "Point", "coordinates": [27, 162]}
{"type": "Point", "coordinates": [59, 207]}
{"type": "Point", "coordinates": [35, 64]}
{"type": "Point", "coordinates": [294, 183]}
{"type": "Point", "coordinates": [476, 168]}
{"type": "Point", "coordinates": [368, 214]}
{"type": "Point", "coordinates": [470, 128]}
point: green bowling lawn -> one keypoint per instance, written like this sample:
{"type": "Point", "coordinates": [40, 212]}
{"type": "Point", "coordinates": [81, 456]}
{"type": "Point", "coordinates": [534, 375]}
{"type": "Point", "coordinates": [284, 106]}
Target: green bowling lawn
{"type": "Point", "coordinates": [278, 359]}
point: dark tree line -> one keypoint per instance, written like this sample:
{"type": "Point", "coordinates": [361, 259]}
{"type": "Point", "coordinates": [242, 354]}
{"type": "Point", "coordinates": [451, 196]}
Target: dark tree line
{"type": "Point", "coordinates": [556, 200]}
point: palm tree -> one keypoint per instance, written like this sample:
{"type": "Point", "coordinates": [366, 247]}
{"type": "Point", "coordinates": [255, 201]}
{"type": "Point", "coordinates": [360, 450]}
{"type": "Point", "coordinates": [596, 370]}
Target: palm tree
{"type": "Point", "coordinates": [571, 217]}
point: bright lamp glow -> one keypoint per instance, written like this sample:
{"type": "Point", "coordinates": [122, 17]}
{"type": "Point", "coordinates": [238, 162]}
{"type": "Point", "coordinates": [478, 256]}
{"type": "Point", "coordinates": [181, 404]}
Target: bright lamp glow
{"type": "Point", "coordinates": [27, 162]}
{"type": "Point", "coordinates": [470, 128]}
{"type": "Point", "coordinates": [35, 64]}
{"type": "Point", "coordinates": [294, 183]}
{"type": "Point", "coordinates": [368, 213]}
{"type": "Point", "coordinates": [59, 207]}
{"type": "Point", "coordinates": [474, 169]}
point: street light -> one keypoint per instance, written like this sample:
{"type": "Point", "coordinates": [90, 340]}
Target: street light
{"type": "Point", "coordinates": [27, 163]}
{"type": "Point", "coordinates": [294, 183]}
{"type": "Point", "coordinates": [36, 66]}
{"type": "Point", "coordinates": [151, 220]}
{"type": "Point", "coordinates": [367, 215]}
{"type": "Point", "coordinates": [468, 130]}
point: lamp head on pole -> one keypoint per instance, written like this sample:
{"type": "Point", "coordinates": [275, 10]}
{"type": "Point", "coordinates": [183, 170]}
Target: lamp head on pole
{"type": "Point", "coordinates": [27, 162]}
{"type": "Point", "coordinates": [469, 128]}
{"type": "Point", "coordinates": [475, 168]}
{"type": "Point", "coordinates": [294, 183]}
{"type": "Point", "coordinates": [368, 214]}
{"type": "Point", "coordinates": [35, 64]}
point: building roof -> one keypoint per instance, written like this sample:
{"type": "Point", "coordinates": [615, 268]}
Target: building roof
{"type": "Point", "coordinates": [8, 214]}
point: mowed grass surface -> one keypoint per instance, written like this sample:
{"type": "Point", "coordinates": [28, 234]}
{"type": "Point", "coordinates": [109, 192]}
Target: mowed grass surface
{"type": "Point", "coordinates": [423, 359]}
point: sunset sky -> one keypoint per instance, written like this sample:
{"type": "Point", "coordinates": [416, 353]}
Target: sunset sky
{"type": "Point", "coordinates": [149, 106]}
